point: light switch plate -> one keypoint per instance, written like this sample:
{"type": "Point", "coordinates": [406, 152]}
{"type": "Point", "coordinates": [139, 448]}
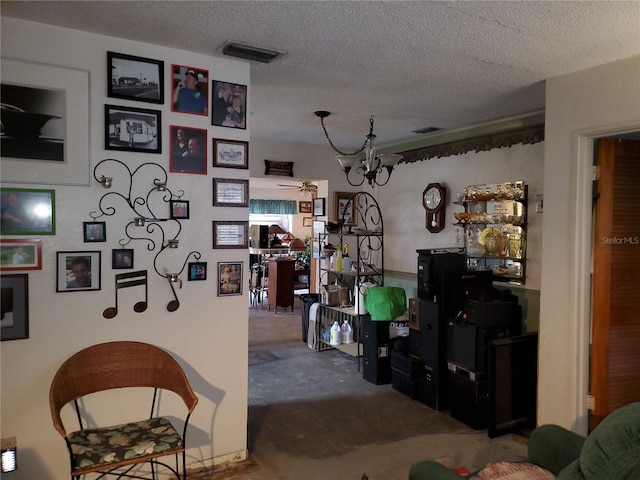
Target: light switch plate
{"type": "Point", "coordinates": [539, 203]}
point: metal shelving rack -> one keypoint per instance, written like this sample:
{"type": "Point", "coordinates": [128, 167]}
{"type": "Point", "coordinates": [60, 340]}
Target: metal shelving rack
{"type": "Point", "coordinates": [367, 234]}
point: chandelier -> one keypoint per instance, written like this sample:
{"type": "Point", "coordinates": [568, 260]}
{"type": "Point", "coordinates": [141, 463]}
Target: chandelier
{"type": "Point", "coordinates": [369, 166]}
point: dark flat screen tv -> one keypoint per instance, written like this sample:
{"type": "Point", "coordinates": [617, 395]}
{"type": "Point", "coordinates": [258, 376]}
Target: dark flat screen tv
{"type": "Point", "coordinates": [513, 381]}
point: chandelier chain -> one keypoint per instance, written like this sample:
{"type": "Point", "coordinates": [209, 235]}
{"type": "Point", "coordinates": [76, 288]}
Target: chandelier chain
{"type": "Point", "coordinates": [364, 145]}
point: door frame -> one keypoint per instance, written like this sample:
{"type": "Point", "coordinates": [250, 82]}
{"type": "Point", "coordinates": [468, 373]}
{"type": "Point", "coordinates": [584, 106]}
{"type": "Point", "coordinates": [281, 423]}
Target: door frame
{"type": "Point", "coordinates": [583, 142]}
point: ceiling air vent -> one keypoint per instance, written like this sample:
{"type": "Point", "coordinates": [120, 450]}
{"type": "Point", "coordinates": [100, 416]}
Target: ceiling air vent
{"type": "Point", "coordinates": [427, 130]}
{"type": "Point", "coordinates": [248, 52]}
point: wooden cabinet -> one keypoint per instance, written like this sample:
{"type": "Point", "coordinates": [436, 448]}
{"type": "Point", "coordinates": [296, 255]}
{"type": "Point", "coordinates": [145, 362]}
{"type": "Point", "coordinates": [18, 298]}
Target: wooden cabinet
{"type": "Point", "coordinates": [281, 283]}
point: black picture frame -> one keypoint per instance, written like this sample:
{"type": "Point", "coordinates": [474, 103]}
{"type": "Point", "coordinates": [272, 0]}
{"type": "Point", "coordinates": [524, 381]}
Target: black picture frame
{"type": "Point", "coordinates": [222, 98]}
{"type": "Point", "coordinates": [318, 207]}
{"type": "Point", "coordinates": [307, 221]}
{"type": "Point", "coordinates": [130, 129]}
{"type": "Point", "coordinates": [230, 278]}
{"type": "Point", "coordinates": [135, 78]}
{"type": "Point", "coordinates": [197, 271]}
{"type": "Point", "coordinates": [27, 211]}
{"type": "Point", "coordinates": [304, 206]}
{"type": "Point", "coordinates": [94, 231]}
{"type": "Point", "coordinates": [65, 275]}
{"type": "Point", "coordinates": [14, 306]}
{"type": "Point", "coordinates": [229, 192]}
{"type": "Point", "coordinates": [179, 209]}
{"type": "Point", "coordinates": [198, 103]}
{"type": "Point", "coordinates": [122, 258]}
{"type": "Point", "coordinates": [183, 158]}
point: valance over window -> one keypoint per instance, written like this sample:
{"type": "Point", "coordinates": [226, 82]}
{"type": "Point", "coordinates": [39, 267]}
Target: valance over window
{"type": "Point", "coordinates": [281, 207]}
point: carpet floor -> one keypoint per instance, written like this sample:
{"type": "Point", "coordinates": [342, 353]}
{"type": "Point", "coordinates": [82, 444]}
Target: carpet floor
{"type": "Point", "coordinates": [312, 416]}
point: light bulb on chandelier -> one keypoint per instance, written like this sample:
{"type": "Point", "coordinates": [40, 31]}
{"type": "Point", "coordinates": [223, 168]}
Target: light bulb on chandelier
{"type": "Point", "coordinates": [369, 166]}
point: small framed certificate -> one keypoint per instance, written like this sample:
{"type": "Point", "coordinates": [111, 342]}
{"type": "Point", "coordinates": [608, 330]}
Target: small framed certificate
{"type": "Point", "coordinates": [230, 234]}
{"type": "Point", "coordinates": [230, 192]}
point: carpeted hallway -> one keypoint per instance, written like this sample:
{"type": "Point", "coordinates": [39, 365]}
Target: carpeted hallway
{"type": "Point", "coordinates": [313, 417]}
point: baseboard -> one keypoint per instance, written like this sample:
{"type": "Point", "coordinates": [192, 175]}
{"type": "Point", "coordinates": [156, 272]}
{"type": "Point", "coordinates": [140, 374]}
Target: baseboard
{"type": "Point", "coordinates": [210, 464]}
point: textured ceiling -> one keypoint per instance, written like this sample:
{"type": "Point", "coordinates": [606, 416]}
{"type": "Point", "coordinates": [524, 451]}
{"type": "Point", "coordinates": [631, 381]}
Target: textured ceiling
{"type": "Point", "coordinates": [409, 64]}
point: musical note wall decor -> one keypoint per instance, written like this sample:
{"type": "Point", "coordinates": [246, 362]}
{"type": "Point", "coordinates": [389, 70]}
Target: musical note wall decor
{"type": "Point", "coordinates": [147, 205]}
{"type": "Point", "coordinates": [174, 304]}
{"type": "Point", "coordinates": [126, 280]}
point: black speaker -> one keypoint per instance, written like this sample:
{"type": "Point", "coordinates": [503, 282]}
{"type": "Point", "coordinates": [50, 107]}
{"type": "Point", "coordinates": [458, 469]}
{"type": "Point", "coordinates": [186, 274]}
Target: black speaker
{"type": "Point", "coordinates": [432, 383]}
{"type": "Point", "coordinates": [468, 345]}
{"type": "Point", "coordinates": [469, 400]}
{"type": "Point", "coordinates": [432, 264]}
{"type": "Point", "coordinates": [264, 237]}
{"type": "Point", "coordinates": [376, 351]}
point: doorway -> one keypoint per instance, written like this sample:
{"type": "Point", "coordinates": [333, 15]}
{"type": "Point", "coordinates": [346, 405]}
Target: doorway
{"type": "Point", "coordinates": [614, 378]}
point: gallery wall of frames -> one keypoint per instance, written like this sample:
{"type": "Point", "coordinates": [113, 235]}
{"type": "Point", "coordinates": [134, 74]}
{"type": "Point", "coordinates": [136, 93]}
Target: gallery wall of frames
{"type": "Point", "coordinates": [155, 213]}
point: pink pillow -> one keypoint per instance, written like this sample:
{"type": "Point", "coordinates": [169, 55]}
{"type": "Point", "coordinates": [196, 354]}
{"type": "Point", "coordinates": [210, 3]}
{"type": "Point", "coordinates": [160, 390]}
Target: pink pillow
{"type": "Point", "coordinates": [514, 471]}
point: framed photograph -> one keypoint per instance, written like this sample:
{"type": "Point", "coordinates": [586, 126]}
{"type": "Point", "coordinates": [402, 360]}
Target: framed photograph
{"type": "Point", "coordinates": [230, 193]}
{"type": "Point", "coordinates": [197, 271]}
{"type": "Point", "coordinates": [278, 169]}
{"type": "Point", "coordinates": [179, 209]}
{"type": "Point", "coordinates": [315, 249]}
{"type": "Point", "coordinates": [230, 154]}
{"type": "Point", "coordinates": [14, 306]}
{"type": "Point", "coordinates": [135, 78]}
{"type": "Point", "coordinates": [78, 271]}
{"type": "Point", "coordinates": [318, 207]}
{"type": "Point", "coordinates": [20, 254]}
{"type": "Point", "coordinates": [307, 221]}
{"type": "Point", "coordinates": [121, 258]}
{"type": "Point", "coordinates": [41, 102]}
{"type": "Point", "coordinates": [230, 234]}
{"type": "Point", "coordinates": [94, 231]}
{"type": "Point", "coordinates": [189, 90]}
{"type": "Point", "coordinates": [304, 207]}
{"type": "Point", "coordinates": [229, 105]}
{"type": "Point", "coordinates": [229, 278]}
{"type": "Point", "coordinates": [318, 228]}
{"type": "Point", "coordinates": [27, 211]}
{"type": "Point", "coordinates": [132, 129]}
{"type": "Point", "coordinates": [188, 150]}
{"type": "Point", "coordinates": [343, 209]}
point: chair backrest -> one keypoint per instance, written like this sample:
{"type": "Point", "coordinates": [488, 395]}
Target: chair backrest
{"type": "Point", "coordinates": [116, 365]}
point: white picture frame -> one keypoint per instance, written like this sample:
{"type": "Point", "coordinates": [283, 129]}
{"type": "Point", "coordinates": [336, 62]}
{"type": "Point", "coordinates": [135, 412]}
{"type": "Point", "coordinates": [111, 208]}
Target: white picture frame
{"type": "Point", "coordinates": [73, 83]}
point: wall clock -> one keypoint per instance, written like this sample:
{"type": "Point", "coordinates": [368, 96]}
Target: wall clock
{"type": "Point", "coordinates": [434, 200]}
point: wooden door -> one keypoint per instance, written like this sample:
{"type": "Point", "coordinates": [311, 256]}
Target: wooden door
{"type": "Point", "coordinates": [615, 349]}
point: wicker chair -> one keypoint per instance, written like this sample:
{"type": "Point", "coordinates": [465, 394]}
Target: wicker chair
{"type": "Point", "coordinates": [116, 450]}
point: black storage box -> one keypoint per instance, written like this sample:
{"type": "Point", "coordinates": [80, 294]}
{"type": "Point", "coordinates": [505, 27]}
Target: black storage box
{"type": "Point", "coordinates": [376, 350]}
{"type": "Point", "coordinates": [405, 371]}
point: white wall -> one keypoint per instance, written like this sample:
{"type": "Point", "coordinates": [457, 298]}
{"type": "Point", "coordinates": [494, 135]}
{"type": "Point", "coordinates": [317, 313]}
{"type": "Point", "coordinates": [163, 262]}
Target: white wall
{"type": "Point", "coordinates": [311, 162]}
{"type": "Point", "coordinates": [207, 334]}
{"type": "Point", "coordinates": [596, 102]}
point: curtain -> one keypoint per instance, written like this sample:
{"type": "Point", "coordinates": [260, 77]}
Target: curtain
{"type": "Point", "coordinates": [281, 207]}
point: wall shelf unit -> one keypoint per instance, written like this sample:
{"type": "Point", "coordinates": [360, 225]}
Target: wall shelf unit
{"type": "Point", "coordinates": [494, 222]}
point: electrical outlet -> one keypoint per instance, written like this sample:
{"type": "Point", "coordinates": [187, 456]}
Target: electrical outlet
{"type": "Point", "coordinates": [539, 203]}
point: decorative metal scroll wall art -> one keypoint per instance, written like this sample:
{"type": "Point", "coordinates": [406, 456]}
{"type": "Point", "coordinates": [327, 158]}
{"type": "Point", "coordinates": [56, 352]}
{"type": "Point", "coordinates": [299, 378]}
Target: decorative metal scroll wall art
{"type": "Point", "coordinates": [150, 221]}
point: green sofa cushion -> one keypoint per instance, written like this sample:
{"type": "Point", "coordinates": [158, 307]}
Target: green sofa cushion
{"type": "Point", "coordinates": [612, 451]}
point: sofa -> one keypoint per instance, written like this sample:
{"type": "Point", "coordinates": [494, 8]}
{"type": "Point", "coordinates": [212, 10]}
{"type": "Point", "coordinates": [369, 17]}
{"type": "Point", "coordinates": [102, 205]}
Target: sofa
{"type": "Point", "coordinates": [610, 452]}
